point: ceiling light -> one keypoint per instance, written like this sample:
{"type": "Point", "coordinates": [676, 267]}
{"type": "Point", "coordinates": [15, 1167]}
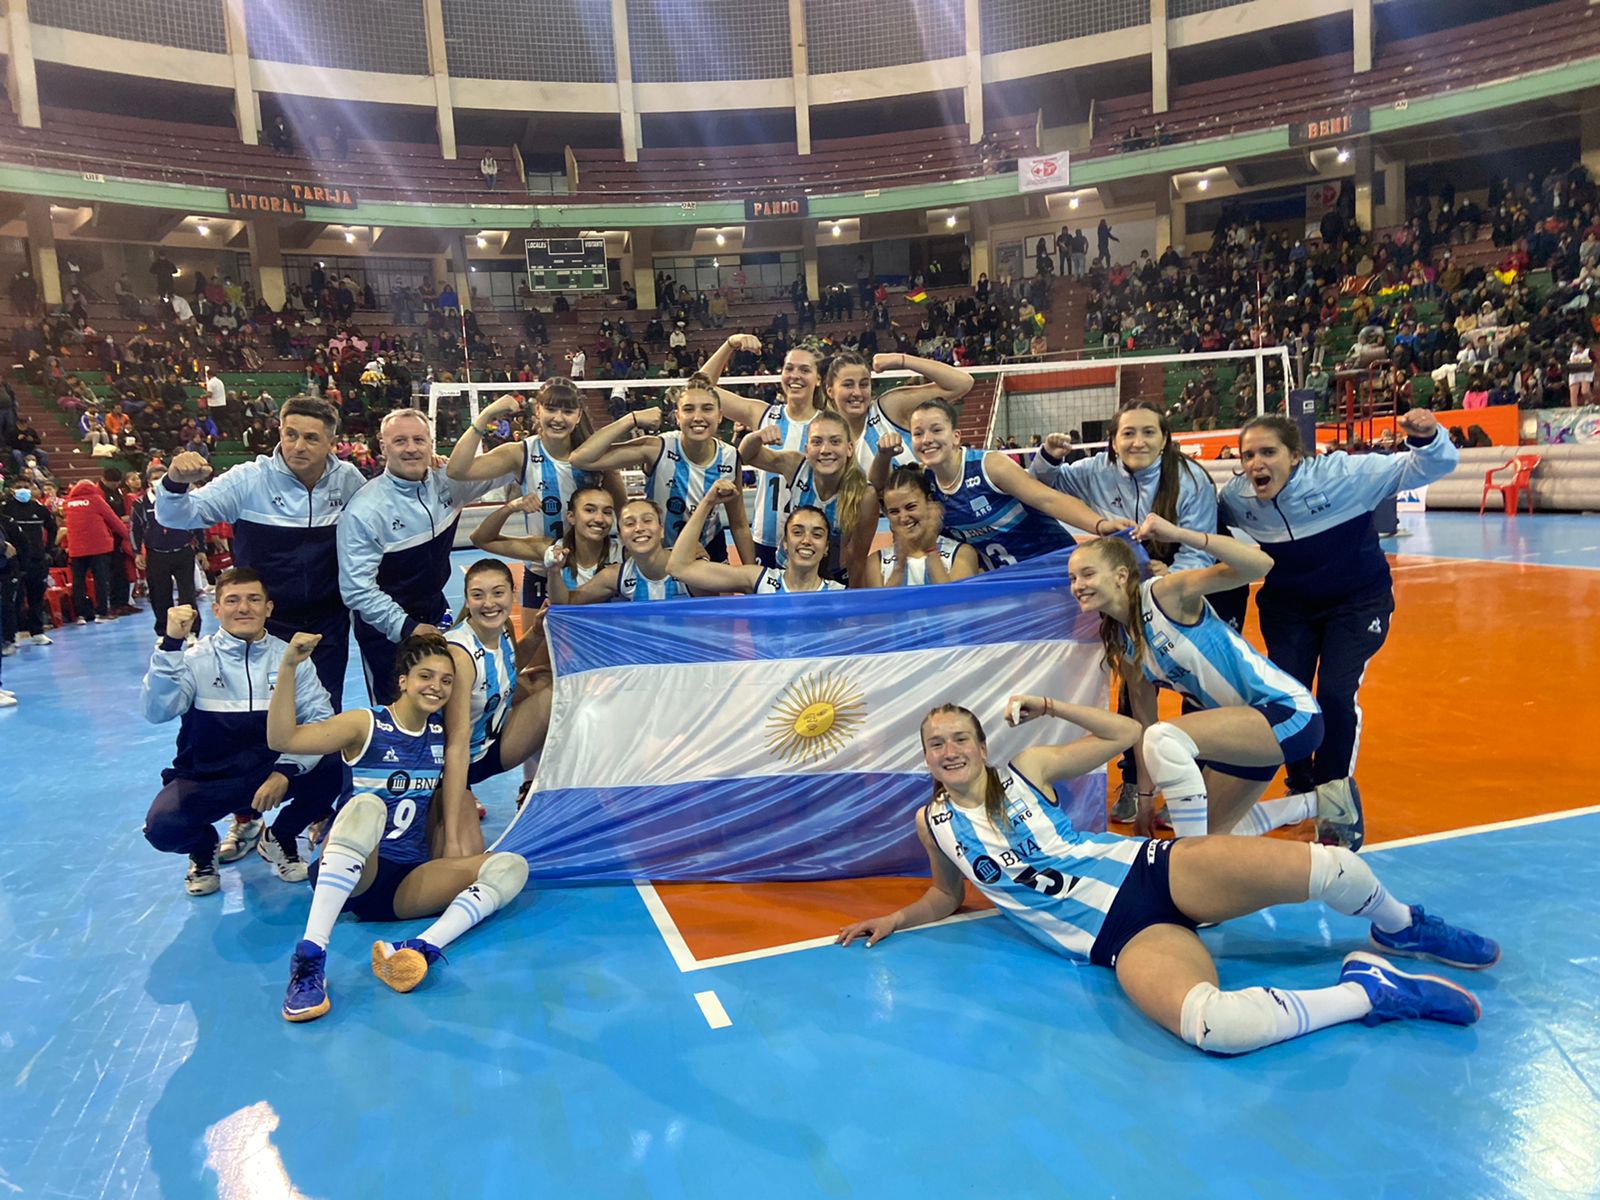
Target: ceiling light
{"type": "Point", "coordinates": [721, 241]}
{"type": "Point", "coordinates": [1343, 155]}
{"type": "Point", "coordinates": [203, 230]}
{"type": "Point", "coordinates": [716, 264]}
{"type": "Point", "coordinates": [950, 221]}
{"type": "Point", "coordinates": [482, 242]}
{"type": "Point", "coordinates": [1073, 203]}
{"type": "Point", "coordinates": [349, 236]}
{"type": "Point", "coordinates": [1203, 184]}
{"type": "Point", "coordinates": [837, 229]}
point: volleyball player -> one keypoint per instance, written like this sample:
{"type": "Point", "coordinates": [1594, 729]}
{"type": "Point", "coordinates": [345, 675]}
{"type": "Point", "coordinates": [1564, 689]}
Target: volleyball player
{"type": "Point", "coordinates": [1133, 904]}
{"type": "Point", "coordinates": [487, 721]}
{"type": "Point", "coordinates": [847, 382]}
{"type": "Point", "coordinates": [588, 536]}
{"type": "Point", "coordinates": [644, 574]}
{"type": "Point", "coordinates": [824, 476]}
{"type": "Point", "coordinates": [1325, 608]}
{"type": "Point", "coordinates": [387, 856]}
{"type": "Point", "coordinates": [679, 466]}
{"type": "Point", "coordinates": [919, 553]}
{"type": "Point", "coordinates": [805, 551]}
{"type": "Point", "coordinates": [989, 500]}
{"type": "Point", "coordinates": [801, 399]}
{"type": "Point", "coordinates": [541, 463]}
{"type": "Point", "coordinates": [1143, 471]}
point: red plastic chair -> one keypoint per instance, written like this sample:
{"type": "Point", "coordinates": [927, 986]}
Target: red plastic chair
{"type": "Point", "coordinates": [1522, 468]}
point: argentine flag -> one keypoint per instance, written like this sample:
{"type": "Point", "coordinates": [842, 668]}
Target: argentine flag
{"type": "Point", "coordinates": [776, 737]}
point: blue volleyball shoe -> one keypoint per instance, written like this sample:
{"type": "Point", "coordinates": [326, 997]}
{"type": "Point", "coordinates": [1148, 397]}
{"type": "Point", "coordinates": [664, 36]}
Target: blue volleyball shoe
{"type": "Point", "coordinates": [307, 997]}
{"type": "Point", "coordinates": [1397, 995]}
{"type": "Point", "coordinates": [1429, 937]}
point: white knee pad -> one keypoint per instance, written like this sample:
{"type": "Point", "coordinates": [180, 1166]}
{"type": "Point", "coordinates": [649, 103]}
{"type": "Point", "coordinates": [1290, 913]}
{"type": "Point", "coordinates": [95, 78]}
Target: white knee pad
{"type": "Point", "coordinates": [504, 875]}
{"type": "Point", "coordinates": [1221, 1022]}
{"type": "Point", "coordinates": [359, 826]}
{"type": "Point", "coordinates": [1342, 880]}
{"type": "Point", "coordinates": [1170, 754]}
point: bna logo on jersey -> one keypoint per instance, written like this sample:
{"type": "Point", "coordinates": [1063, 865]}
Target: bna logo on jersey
{"type": "Point", "coordinates": [399, 783]}
{"type": "Point", "coordinates": [986, 869]}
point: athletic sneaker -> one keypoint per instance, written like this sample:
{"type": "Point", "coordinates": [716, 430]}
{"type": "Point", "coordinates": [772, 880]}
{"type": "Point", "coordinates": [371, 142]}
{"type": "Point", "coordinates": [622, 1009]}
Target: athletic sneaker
{"type": "Point", "coordinates": [236, 843]}
{"type": "Point", "coordinates": [1397, 995]}
{"type": "Point", "coordinates": [307, 997]}
{"type": "Point", "coordinates": [7, 699]}
{"type": "Point", "coordinates": [202, 878]}
{"type": "Point", "coordinates": [403, 965]}
{"type": "Point", "coordinates": [1127, 805]}
{"type": "Point", "coordinates": [8, 649]}
{"type": "Point", "coordinates": [39, 639]}
{"type": "Point", "coordinates": [1340, 821]}
{"type": "Point", "coordinates": [284, 857]}
{"type": "Point", "coordinates": [1429, 937]}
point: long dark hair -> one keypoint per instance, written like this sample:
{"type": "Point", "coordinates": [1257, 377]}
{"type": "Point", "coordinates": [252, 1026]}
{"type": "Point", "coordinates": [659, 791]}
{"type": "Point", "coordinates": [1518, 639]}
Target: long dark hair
{"type": "Point", "coordinates": [569, 535]}
{"type": "Point", "coordinates": [416, 648]}
{"type": "Point", "coordinates": [994, 791]}
{"type": "Point", "coordinates": [493, 566]}
{"type": "Point", "coordinates": [1285, 430]}
{"type": "Point", "coordinates": [1174, 463]}
{"type": "Point", "coordinates": [561, 392]}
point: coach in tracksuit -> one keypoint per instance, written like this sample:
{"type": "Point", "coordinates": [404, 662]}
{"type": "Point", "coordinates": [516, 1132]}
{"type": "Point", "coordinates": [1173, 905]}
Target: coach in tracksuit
{"type": "Point", "coordinates": [284, 508]}
{"type": "Point", "coordinates": [394, 546]}
{"type": "Point", "coordinates": [219, 690]}
{"type": "Point", "coordinates": [1325, 605]}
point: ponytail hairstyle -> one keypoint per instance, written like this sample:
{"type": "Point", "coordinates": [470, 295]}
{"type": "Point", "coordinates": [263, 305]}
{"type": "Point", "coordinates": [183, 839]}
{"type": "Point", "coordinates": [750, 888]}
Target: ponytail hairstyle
{"type": "Point", "coordinates": [569, 534]}
{"type": "Point", "coordinates": [994, 791]}
{"type": "Point", "coordinates": [819, 392]}
{"type": "Point", "coordinates": [417, 647]}
{"type": "Point", "coordinates": [1174, 463]}
{"type": "Point", "coordinates": [852, 482]}
{"type": "Point", "coordinates": [482, 567]}
{"type": "Point", "coordinates": [944, 406]}
{"type": "Point", "coordinates": [840, 360]}
{"type": "Point", "coordinates": [1115, 637]}
{"type": "Point", "coordinates": [698, 382]}
{"type": "Point", "coordinates": [561, 392]}
{"type": "Point", "coordinates": [913, 478]}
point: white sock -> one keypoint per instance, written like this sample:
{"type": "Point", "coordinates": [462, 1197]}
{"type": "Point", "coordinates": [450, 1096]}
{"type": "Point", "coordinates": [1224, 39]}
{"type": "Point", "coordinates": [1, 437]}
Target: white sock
{"type": "Point", "coordinates": [465, 911]}
{"type": "Point", "coordinates": [1188, 815]}
{"type": "Point", "coordinates": [1238, 1022]}
{"type": "Point", "coordinates": [1274, 814]}
{"type": "Point", "coordinates": [338, 872]}
{"type": "Point", "coordinates": [1342, 880]}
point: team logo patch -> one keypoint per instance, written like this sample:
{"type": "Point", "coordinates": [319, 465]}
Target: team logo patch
{"type": "Point", "coordinates": [986, 869]}
{"type": "Point", "coordinates": [390, 756]}
{"type": "Point", "coordinates": [399, 783]}
{"type": "Point", "coordinates": [438, 753]}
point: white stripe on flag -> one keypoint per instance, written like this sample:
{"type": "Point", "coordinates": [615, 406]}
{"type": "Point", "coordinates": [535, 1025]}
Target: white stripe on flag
{"type": "Point", "coordinates": [660, 724]}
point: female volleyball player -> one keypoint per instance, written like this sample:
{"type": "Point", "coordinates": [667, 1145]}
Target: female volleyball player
{"type": "Point", "coordinates": [1326, 607]}
{"type": "Point", "coordinates": [826, 477]}
{"type": "Point", "coordinates": [805, 549]}
{"type": "Point", "coordinates": [1132, 904]}
{"type": "Point", "coordinates": [388, 854]}
{"type": "Point", "coordinates": [847, 382]}
{"type": "Point", "coordinates": [802, 398]}
{"type": "Point", "coordinates": [1143, 471]}
{"type": "Point", "coordinates": [501, 728]}
{"type": "Point", "coordinates": [919, 553]}
{"type": "Point", "coordinates": [542, 464]}
{"type": "Point", "coordinates": [679, 467]}
{"type": "Point", "coordinates": [644, 574]}
{"type": "Point", "coordinates": [587, 539]}
{"type": "Point", "coordinates": [989, 500]}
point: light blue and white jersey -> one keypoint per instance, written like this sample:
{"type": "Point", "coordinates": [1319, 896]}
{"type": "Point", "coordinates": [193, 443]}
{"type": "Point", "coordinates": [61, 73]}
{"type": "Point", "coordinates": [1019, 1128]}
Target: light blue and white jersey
{"type": "Point", "coordinates": [493, 684]}
{"type": "Point", "coordinates": [401, 768]}
{"type": "Point", "coordinates": [772, 489]}
{"type": "Point", "coordinates": [553, 481]}
{"type": "Point", "coordinates": [1058, 883]}
{"type": "Point", "coordinates": [878, 423]}
{"type": "Point", "coordinates": [1211, 664]}
{"type": "Point", "coordinates": [917, 568]}
{"type": "Point", "coordinates": [634, 585]}
{"type": "Point", "coordinates": [678, 485]}
{"type": "Point", "coordinates": [772, 583]}
{"type": "Point", "coordinates": [1000, 527]}
{"type": "Point", "coordinates": [1106, 486]}
{"type": "Point", "coordinates": [577, 576]}
{"type": "Point", "coordinates": [803, 491]}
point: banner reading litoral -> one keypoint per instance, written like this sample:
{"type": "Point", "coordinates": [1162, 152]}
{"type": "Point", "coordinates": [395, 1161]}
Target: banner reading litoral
{"type": "Point", "coordinates": [1043, 173]}
{"type": "Point", "coordinates": [776, 737]}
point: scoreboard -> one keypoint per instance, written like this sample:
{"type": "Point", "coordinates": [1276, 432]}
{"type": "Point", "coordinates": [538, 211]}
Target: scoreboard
{"type": "Point", "coordinates": [567, 265]}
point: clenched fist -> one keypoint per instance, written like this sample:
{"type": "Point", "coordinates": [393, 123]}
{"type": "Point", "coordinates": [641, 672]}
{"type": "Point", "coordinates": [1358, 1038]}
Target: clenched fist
{"type": "Point", "coordinates": [300, 648]}
{"type": "Point", "coordinates": [188, 467]}
{"type": "Point", "coordinates": [180, 620]}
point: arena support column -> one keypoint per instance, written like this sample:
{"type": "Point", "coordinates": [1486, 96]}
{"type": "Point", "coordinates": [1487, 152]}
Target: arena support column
{"type": "Point", "coordinates": [974, 88]}
{"type": "Point", "coordinates": [801, 67]}
{"type": "Point", "coordinates": [439, 72]}
{"type": "Point", "coordinates": [22, 81]}
{"type": "Point", "coordinates": [1361, 34]}
{"type": "Point", "coordinates": [1171, 220]}
{"type": "Point", "coordinates": [643, 242]}
{"type": "Point", "coordinates": [246, 103]}
{"type": "Point", "coordinates": [627, 101]}
{"type": "Point", "coordinates": [1159, 65]}
{"type": "Point", "coordinates": [808, 257]}
{"type": "Point", "coordinates": [42, 248]}
{"type": "Point", "coordinates": [981, 256]}
{"type": "Point", "coordinates": [1364, 173]}
{"type": "Point", "coordinates": [1589, 131]}
{"type": "Point", "coordinates": [266, 262]}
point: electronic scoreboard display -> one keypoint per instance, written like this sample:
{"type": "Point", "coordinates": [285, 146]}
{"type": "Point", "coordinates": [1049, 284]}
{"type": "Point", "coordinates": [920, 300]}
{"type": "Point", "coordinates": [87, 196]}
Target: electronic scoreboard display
{"type": "Point", "coordinates": [567, 264]}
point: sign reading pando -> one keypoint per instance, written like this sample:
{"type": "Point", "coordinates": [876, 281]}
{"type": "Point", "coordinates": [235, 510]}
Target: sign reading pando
{"type": "Point", "coordinates": [765, 208]}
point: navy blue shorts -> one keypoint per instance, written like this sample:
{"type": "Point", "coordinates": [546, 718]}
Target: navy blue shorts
{"type": "Point", "coordinates": [488, 766]}
{"type": "Point", "coordinates": [377, 902]}
{"type": "Point", "coordinates": [1143, 900]}
{"type": "Point", "coordinates": [767, 556]}
{"type": "Point", "coordinates": [535, 587]}
{"type": "Point", "coordinates": [1296, 746]}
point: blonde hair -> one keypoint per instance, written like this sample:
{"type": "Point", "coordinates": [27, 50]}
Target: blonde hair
{"type": "Point", "coordinates": [852, 483]}
{"type": "Point", "coordinates": [1115, 637]}
{"type": "Point", "coordinates": [994, 791]}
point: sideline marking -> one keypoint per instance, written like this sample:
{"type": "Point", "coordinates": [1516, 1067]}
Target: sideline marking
{"type": "Point", "coordinates": [686, 961]}
{"type": "Point", "coordinates": [711, 1008]}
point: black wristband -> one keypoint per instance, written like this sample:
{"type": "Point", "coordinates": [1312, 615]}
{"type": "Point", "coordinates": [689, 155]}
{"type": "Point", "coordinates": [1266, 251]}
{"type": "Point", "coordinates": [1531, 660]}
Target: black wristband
{"type": "Point", "coordinates": [171, 643]}
{"type": "Point", "coordinates": [1051, 458]}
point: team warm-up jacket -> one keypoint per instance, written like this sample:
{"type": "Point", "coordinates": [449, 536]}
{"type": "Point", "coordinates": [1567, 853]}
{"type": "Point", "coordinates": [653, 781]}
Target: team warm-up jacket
{"type": "Point", "coordinates": [394, 548]}
{"type": "Point", "coordinates": [1107, 486]}
{"type": "Point", "coordinates": [219, 689]}
{"type": "Point", "coordinates": [1319, 528]}
{"type": "Point", "coordinates": [281, 528]}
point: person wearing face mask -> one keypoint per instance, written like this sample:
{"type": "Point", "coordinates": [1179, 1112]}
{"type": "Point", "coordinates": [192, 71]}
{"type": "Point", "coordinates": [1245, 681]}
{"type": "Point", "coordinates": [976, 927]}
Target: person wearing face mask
{"type": "Point", "coordinates": [394, 545]}
{"type": "Point", "coordinates": [32, 531]}
{"type": "Point", "coordinates": [1326, 606]}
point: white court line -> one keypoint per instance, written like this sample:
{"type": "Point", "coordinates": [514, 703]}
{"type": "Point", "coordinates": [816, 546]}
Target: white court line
{"type": "Point", "coordinates": [711, 1008]}
{"type": "Point", "coordinates": [686, 960]}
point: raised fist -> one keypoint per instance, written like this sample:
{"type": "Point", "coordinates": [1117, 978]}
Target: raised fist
{"type": "Point", "coordinates": [556, 555]}
{"type": "Point", "coordinates": [300, 647]}
{"type": "Point", "coordinates": [1156, 528]}
{"type": "Point", "coordinates": [745, 341]}
{"type": "Point", "coordinates": [1419, 423]}
{"type": "Point", "coordinates": [770, 435]}
{"type": "Point", "coordinates": [723, 491]}
{"type": "Point", "coordinates": [180, 621]}
{"type": "Point", "coordinates": [1022, 709]}
{"type": "Point", "coordinates": [188, 466]}
{"type": "Point", "coordinates": [887, 362]}
{"type": "Point", "coordinates": [509, 403]}
{"type": "Point", "coordinates": [647, 420]}
{"type": "Point", "coordinates": [891, 444]}
{"type": "Point", "coordinates": [1056, 445]}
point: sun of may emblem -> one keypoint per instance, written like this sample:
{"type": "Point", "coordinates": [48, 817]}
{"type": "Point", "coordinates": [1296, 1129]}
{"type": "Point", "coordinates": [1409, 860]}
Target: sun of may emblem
{"type": "Point", "coordinates": [816, 716]}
